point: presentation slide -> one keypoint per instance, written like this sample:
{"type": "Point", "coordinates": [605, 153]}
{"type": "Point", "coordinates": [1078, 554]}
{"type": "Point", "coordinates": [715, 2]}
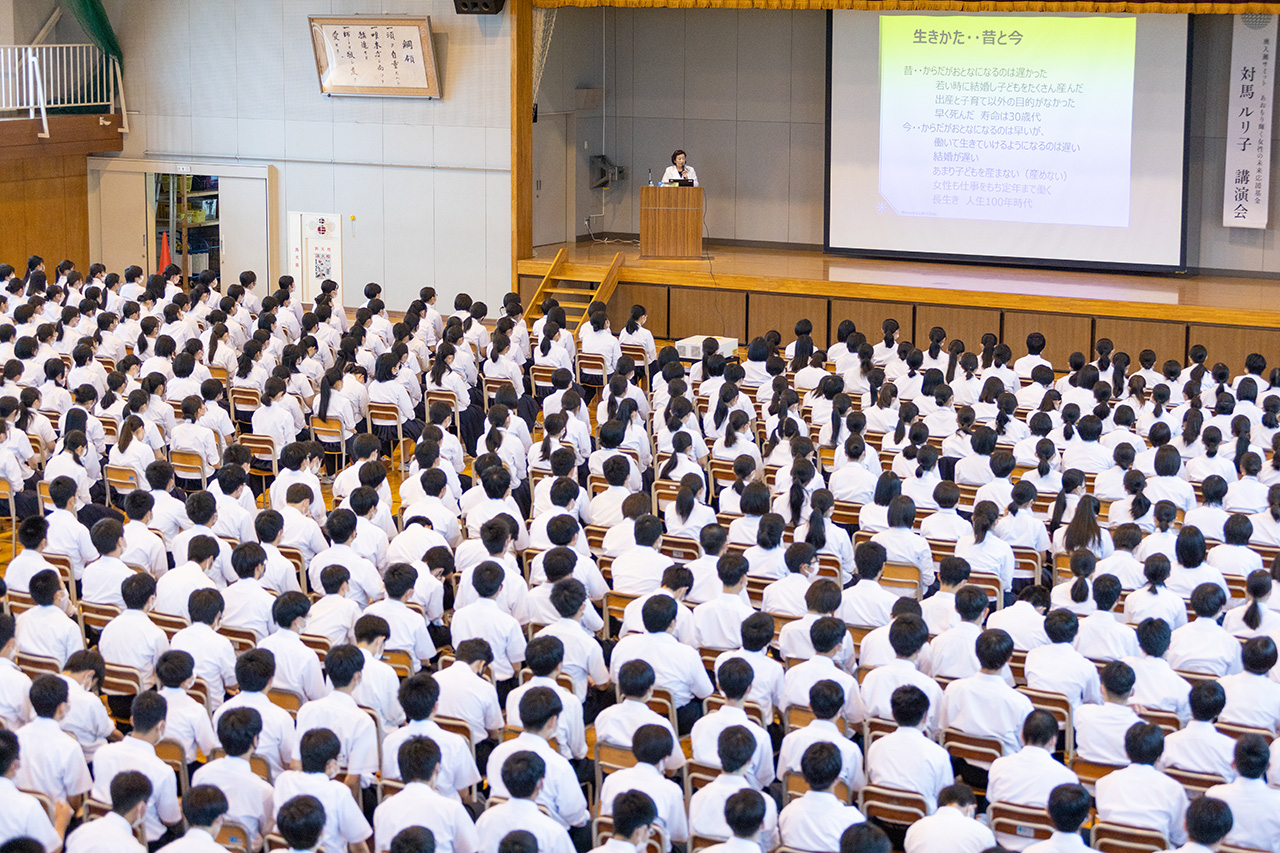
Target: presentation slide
{"type": "Point", "coordinates": [1046, 139]}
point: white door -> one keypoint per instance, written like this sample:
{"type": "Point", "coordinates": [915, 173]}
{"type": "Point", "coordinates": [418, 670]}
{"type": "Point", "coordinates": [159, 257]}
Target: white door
{"type": "Point", "coordinates": [242, 227]}
{"type": "Point", "coordinates": [122, 200]}
{"type": "Point", "coordinates": [550, 179]}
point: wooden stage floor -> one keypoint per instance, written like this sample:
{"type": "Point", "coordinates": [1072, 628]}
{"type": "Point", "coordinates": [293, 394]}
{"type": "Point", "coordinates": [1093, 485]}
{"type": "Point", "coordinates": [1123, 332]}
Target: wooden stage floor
{"type": "Point", "coordinates": [798, 268]}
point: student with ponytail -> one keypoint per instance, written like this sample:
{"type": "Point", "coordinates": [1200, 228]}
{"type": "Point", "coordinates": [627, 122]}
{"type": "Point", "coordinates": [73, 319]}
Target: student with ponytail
{"type": "Point", "coordinates": [1083, 531]}
{"type": "Point", "coordinates": [1137, 508]}
{"type": "Point", "coordinates": [1212, 460]}
{"type": "Point", "coordinates": [737, 439]}
{"type": "Point", "coordinates": [923, 478]}
{"type": "Point", "coordinates": [687, 514]}
{"type": "Point", "coordinates": [959, 444]}
{"type": "Point", "coordinates": [898, 437]}
{"type": "Point", "coordinates": [1247, 495]}
{"type": "Point", "coordinates": [1045, 478]}
{"type": "Point", "coordinates": [874, 516]}
{"type": "Point", "coordinates": [682, 461]}
{"type": "Point", "coordinates": [941, 422]}
{"type": "Point", "coordinates": [745, 472]}
{"type": "Point", "coordinates": [1254, 618]}
{"type": "Point", "coordinates": [936, 356]}
{"type": "Point", "coordinates": [791, 503]}
{"type": "Point", "coordinates": [985, 551]}
{"type": "Point", "coordinates": [635, 334]}
{"type": "Point", "coordinates": [1076, 595]}
{"type": "Point", "coordinates": [1189, 442]}
{"type": "Point", "coordinates": [826, 538]}
{"type": "Point", "coordinates": [904, 464]}
{"type": "Point", "coordinates": [1155, 600]}
{"type": "Point", "coordinates": [887, 349]}
{"type": "Point", "coordinates": [801, 349]}
{"type": "Point", "coordinates": [1019, 526]}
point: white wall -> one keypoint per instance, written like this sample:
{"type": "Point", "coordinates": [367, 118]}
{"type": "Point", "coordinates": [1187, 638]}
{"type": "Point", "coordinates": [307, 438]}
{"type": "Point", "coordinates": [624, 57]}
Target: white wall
{"type": "Point", "coordinates": [429, 182]}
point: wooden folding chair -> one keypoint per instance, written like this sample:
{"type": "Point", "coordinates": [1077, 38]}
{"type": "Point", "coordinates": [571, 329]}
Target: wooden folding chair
{"type": "Point", "coordinates": [121, 478]}
{"type": "Point", "coordinates": [903, 576]}
{"type": "Point", "coordinates": [1060, 707]}
{"type": "Point", "coordinates": [170, 623]}
{"type": "Point", "coordinates": [1091, 771]}
{"type": "Point", "coordinates": [610, 757]}
{"type": "Point", "coordinates": [234, 837]}
{"type": "Point", "coordinates": [243, 399]}
{"type": "Point", "coordinates": [1194, 783]}
{"type": "Point", "coordinates": [46, 502]}
{"type": "Point", "coordinates": [242, 639]}
{"type": "Point", "coordinates": [892, 805]}
{"type": "Point", "coordinates": [399, 660]}
{"type": "Point", "coordinates": [287, 699]}
{"type": "Point", "coordinates": [591, 365]}
{"type": "Point", "coordinates": [1167, 720]}
{"type": "Point", "coordinates": [795, 786]}
{"type": "Point", "coordinates": [975, 749]}
{"type": "Point", "coordinates": [171, 753]}
{"type": "Point", "coordinates": [189, 465]}
{"type": "Point", "coordinates": [328, 431]}
{"type": "Point", "coordinates": [387, 415]}
{"type": "Point", "coordinates": [6, 502]}
{"type": "Point", "coordinates": [1023, 822]}
{"type": "Point", "coordinates": [1119, 838]}
{"type": "Point", "coordinates": [294, 555]}
{"type": "Point", "coordinates": [266, 457]}
{"type": "Point", "coordinates": [36, 665]}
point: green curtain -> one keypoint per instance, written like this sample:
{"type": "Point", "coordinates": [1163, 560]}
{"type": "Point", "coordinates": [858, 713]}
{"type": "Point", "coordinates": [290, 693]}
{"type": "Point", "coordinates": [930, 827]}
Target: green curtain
{"type": "Point", "coordinates": [93, 19]}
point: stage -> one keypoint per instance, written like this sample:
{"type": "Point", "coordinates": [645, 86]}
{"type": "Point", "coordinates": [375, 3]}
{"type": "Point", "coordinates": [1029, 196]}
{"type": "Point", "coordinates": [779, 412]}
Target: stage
{"type": "Point", "coordinates": [742, 292]}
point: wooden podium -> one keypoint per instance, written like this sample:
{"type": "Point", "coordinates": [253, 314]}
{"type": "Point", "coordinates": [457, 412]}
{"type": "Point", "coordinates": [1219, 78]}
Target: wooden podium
{"type": "Point", "coordinates": [671, 222]}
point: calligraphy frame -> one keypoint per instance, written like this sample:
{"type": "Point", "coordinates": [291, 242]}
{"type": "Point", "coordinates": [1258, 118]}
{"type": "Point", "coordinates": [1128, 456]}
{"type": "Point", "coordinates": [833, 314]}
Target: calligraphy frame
{"type": "Point", "coordinates": [424, 45]}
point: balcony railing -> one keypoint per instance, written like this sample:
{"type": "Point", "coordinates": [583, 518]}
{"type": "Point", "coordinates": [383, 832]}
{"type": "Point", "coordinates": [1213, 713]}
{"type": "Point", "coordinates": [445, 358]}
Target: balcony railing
{"type": "Point", "coordinates": [38, 78]}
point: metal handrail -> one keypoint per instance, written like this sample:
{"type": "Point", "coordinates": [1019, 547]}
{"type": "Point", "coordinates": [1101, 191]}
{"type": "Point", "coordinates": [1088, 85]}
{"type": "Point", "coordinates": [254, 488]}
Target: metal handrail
{"type": "Point", "coordinates": [35, 78]}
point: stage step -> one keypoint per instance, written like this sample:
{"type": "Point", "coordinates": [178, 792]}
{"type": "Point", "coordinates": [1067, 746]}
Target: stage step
{"type": "Point", "coordinates": [597, 284]}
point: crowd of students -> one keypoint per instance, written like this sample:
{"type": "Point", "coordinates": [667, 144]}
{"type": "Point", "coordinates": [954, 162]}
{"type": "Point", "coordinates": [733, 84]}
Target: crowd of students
{"type": "Point", "coordinates": [590, 529]}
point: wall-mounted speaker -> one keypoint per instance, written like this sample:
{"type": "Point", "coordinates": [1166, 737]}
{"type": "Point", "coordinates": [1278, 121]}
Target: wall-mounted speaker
{"type": "Point", "coordinates": [478, 7]}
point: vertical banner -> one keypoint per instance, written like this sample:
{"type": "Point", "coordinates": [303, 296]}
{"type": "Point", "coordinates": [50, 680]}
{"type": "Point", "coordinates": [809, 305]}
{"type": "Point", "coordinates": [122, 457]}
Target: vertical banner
{"type": "Point", "coordinates": [315, 252]}
{"type": "Point", "coordinates": [1248, 157]}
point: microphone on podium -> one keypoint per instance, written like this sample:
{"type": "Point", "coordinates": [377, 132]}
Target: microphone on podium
{"type": "Point", "coordinates": [651, 177]}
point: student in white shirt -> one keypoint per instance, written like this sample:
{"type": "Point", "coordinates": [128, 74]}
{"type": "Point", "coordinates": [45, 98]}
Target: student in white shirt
{"type": "Point", "coordinates": [297, 667]}
{"type": "Point", "coordinates": [952, 826]}
{"type": "Point", "coordinates": [985, 704]}
{"type": "Point", "coordinates": [1068, 809]}
{"type": "Point", "coordinates": [67, 535]}
{"type": "Point", "coordinates": [338, 821]}
{"type": "Point", "coordinates": [1103, 637]}
{"type": "Point", "coordinates": [53, 763]}
{"type": "Point", "coordinates": [906, 758]}
{"type": "Point", "coordinates": [1058, 667]}
{"type": "Point", "coordinates": [130, 793]}
{"type": "Point", "coordinates": [1076, 595]}
{"type": "Point", "coordinates": [734, 679]}
{"type": "Point", "coordinates": [205, 809]}
{"type": "Point", "coordinates": [1028, 776]}
{"type": "Point", "coordinates": [729, 807]}
{"type": "Point", "coordinates": [677, 667]}
{"type": "Point", "coordinates": [1139, 794]}
{"type": "Point", "coordinates": [138, 752]}
{"type": "Point", "coordinates": [1100, 729]}
{"type": "Point", "coordinates": [451, 830]}
{"type": "Point", "coordinates": [249, 796]}
{"type": "Point", "coordinates": [103, 576]}
{"type": "Point", "coordinates": [908, 634]}
{"type": "Point", "coordinates": [1155, 599]}
{"type": "Point", "coordinates": [338, 712]}
{"type": "Point", "coordinates": [718, 621]}
{"type": "Point", "coordinates": [1254, 806]}
{"type": "Point", "coordinates": [523, 775]}
{"type": "Point", "coordinates": [15, 685]}
{"type": "Point", "coordinates": [1202, 645]}
{"type": "Point", "coordinates": [945, 524]}
{"type": "Point", "coordinates": [21, 815]}
{"type": "Point", "coordinates": [485, 620]}
{"type": "Point", "coordinates": [186, 720]}
{"type": "Point", "coordinates": [817, 820]}
{"type": "Point", "coordinates": [985, 551]}
{"type": "Point", "coordinates": [1122, 564]}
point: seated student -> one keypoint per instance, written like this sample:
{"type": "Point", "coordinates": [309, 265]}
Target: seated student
{"type": "Point", "coordinates": [1155, 599]}
{"type": "Point", "coordinates": [45, 629]}
{"type": "Point", "coordinates": [952, 653]}
{"type": "Point", "coordinates": [233, 520]}
{"type": "Point", "coordinates": [1024, 619]}
{"type": "Point", "coordinates": [522, 775]}
{"type": "Point", "coordinates": [132, 639]}
{"type": "Point", "coordinates": [622, 536]}
{"type": "Point", "coordinates": [638, 570]}
{"type": "Point", "coordinates": [55, 765]}
{"type": "Point", "coordinates": [130, 794]}
{"type": "Point", "coordinates": [485, 619]}
{"type": "Point", "coordinates": [867, 602]}
{"type": "Point", "coordinates": [137, 751]}
{"type": "Point", "coordinates": [343, 824]}
{"type": "Point", "coordinates": [544, 657]}
{"type": "Point", "coordinates": [15, 685]}
{"type": "Point", "coordinates": [142, 547]}
{"type": "Point", "coordinates": [249, 796]}
{"type": "Point", "coordinates": [826, 635]}
{"type": "Point", "coordinates": [826, 701]}
{"type": "Point", "coordinates": [985, 551]}
{"type": "Point", "coordinates": [734, 680]}
{"type": "Point", "coordinates": [418, 695]}
{"type": "Point", "coordinates": [718, 622]}
{"type": "Point", "coordinates": [366, 583]}
{"type": "Point", "coordinates": [712, 805]}
{"type": "Point", "coordinates": [1102, 636]}
{"type": "Point", "coordinates": [248, 604]}
{"type": "Point", "coordinates": [451, 825]}
{"type": "Point", "coordinates": [767, 557]}
{"type": "Point", "coordinates": [1122, 563]}
{"type": "Point", "coordinates": [1198, 746]}
{"type": "Point", "coordinates": [1139, 794]}
{"type": "Point", "coordinates": [677, 667]}
{"type": "Point", "coordinates": [1252, 696]}
{"type": "Point", "coordinates": [87, 720]}
{"type": "Point", "coordinates": [904, 545]}
{"type": "Point", "coordinates": [67, 536]}
{"type": "Point", "coordinates": [560, 792]}
{"type": "Point", "coordinates": [379, 684]}
{"type": "Point", "coordinates": [169, 515]}
{"type": "Point", "coordinates": [939, 609]}
{"type": "Point", "coordinates": [1058, 667]}
{"type": "Point", "coordinates": [985, 704]}
{"type": "Point", "coordinates": [186, 720]}
{"type": "Point", "coordinates": [945, 524]}
{"type": "Point", "coordinates": [906, 758]}
{"type": "Point", "coordinates": [822, 599]}
{"type": "Point", "coordinates": [468, 696]}
{"type": "Point", "coordinates": [817, 820]}
{"type": "Point", "coordinates": [1202, 645]}
{"type": "Point", "coordinates": [767, 673]}
{"type": "Point", "coordinates": [558, 564]}
{"type": "Point", "coordinates": [1076, 595]}
{"type": "Point", "coordinates": [339, 712]}
{"type": "Point", "coordinates": [32, 535]}
{"type": "Point", "coordinates": [1254, 806]}
{"type": "Point", "coordinates": [651, 746]}
{"type": "Point", "coordinates": [1234, 556]}
{"type": "Point", "coordinates": [24, 816]}
{"type": "Point", "coordinates": [618, 724]}
{"type": "Point", "coordinates": [786, 596]}
{"type": "Point", "coordinates": [1157, 686]}
{"type": "Point", "coordinates": [1191, 568]}
{"type": "Point", "coordinates": [333, 616]}
{"type": "Point", "coordinates": [297, 667]}
{"type": "Point", "coordinates": [301, 530]}
{"type": "Point", "coordinates": [953, 826]}
{"type": "Point", "coordinates": [1254, 618]}
{"type": "Point", "coordinates": [907, 636]}
{"type": "Point", "coordinates": [174, 588]}
{"type": "Point", "coordinates": [753, 505]}
{"type": "Point", "coordinates": [1026, 777]}
{"type": "Point", "coordinates": [1100, 729]}
{"type": "Point", "coordinates": [408, 630]}
{"type": "Point", "coordinates": [876, 649]}
{"type": "Point", "coordinates": [1068, 809]}
{"type": "Point", "coordinates": [676, 581]}
{"type": "Point", "coordinates": [584, 657]}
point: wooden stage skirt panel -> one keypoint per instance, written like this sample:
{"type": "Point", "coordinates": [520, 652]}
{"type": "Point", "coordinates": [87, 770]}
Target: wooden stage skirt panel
{"type": "Point", "coordinates": [743, 292]}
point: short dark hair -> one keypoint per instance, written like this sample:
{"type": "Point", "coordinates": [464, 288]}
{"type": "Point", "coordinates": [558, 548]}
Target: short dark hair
{"type": "Point", "coordinates": [735, 747]}
{"type": "Point", "coordinates": [1208, 820]}
{"type": "Point", "coordinates": [290, 607]}
{"type": "Point", "coordinates": [744, 812]}
{"type": "Point", "coordinates": [521, 773]}
{"type": "Point", "coordinates": [909, 705]}
{"type": "Point", "coordinates": [538, 706]}
{"type": "Point", "coordinates": [635, 678]}
{"type": "Point", "coordinates": [1252, 756]}
{"type": "Point", "coordinates": [1040, 728]}
{"type": "Point", "coordinates": [128, 788]}
{"type": "Point", "coordinates": [652, 743]}
{"type": "Point", "coordinates": [418, 758]}
{"type": "Point", "coordinates": [1207, 699]}
{"type": "Point", "coordinates": [994, 648]}
{"type": "Point", "coordinates": [341, 664]}
{"type": "Point", "coordinates": [148, 711]}
{"type": "Point", "coordinates": [865, 837]}
{"type": "Point", "coordinates": [316, 748]}
{"type": "Point", "coordinates": [237, 729]}
{"type": "Point", "coordinates": [631, 811]}
{"type": "Point", "coordinates": [821, 764]}
{"type": "Point", "coordinates": [301, 821]}
{"type": "Point", "coordinates": [47, 692]}
{"type": "Point", "coordinates": [1068, 807]}
{"type": "Point", "coordinates": [203, 804]}
{"type": "Point", "coordinates": [1144, 743]}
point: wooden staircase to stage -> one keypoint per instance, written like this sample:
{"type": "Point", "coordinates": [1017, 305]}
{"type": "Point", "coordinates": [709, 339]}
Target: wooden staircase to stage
{"type": "Point", "coordinates": [574, 286]}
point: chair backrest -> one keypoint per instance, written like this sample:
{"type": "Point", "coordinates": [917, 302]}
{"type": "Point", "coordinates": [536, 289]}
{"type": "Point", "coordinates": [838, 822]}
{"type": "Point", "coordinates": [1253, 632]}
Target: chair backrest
{"type": "Point", "coordinates": [287, 699]}
{"type": "Point", "coordinates": [36, 665]}
{"type": "Point", "coordinates": [1167, 720]}
{"type": "Point", "coordinates": [121, 478]}
{"type": "Point", "coordinates": [902, 576]}
{"type": "Point", "coordinates": [170, 623]}
{"type": "Point", "coordinates": [262, 447]}
{"type": "Point", "coordinates": [1025, 822]}
{"type": "Point", "coordinates": [602, 831]}
{"type": "Point", "coordinates": [187, 464]}
{"type": "Point", "coordinates": [244, 399]}
{"type": "Point", "coordinates": [700, 774]}
{"type": "Point", "coordinates": [384, 414]}
{"type": "Point", "coordinates": [1194, 783]}
{"type": "Point", "coordinates": [171, 753]}
{"type": "Point", "coordinates": [294, 555]}
{"type": "Point", "coordinates": [122, 680]}
{"type": "Point", "coordinates": [682, 549]}
{"type": "Point", "coordinates": [400, 661]}
{"type": "Point", "coordinates": [242, 639]}
{"type": "Point", "coordinates": [234, 837]}
{"type": "Point", "coordinates": [892, 805]}
{"type": "Point", "coordinates": [456, 726]}
{"type": "Point", "coordinates": [1059, 706]}
{"type": "Point", "coordinates": [318, 644]}
{"type": "Point", "coordinates": [794, 785]}
{"type": "Point", "coordinates": [1091, 771]}
{"type": "Point", "coordinates": [97, 616]}
{"type": "Point", "coordinates": [991, 585]}
{"type": "Point", "coordinates": [1119, 838]}
{"type": "Point", "coordinates": [592, 365]}
{"type": "Point", "coordinates": [716, 701]}
{"type": "Point", "coordinates": [616, 602]}
{"type": "Point", "coordinates": [974, 749]}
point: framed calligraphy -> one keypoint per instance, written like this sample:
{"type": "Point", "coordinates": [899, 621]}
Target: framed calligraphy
{"type": "Point", "coordinates": [375, 56]}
